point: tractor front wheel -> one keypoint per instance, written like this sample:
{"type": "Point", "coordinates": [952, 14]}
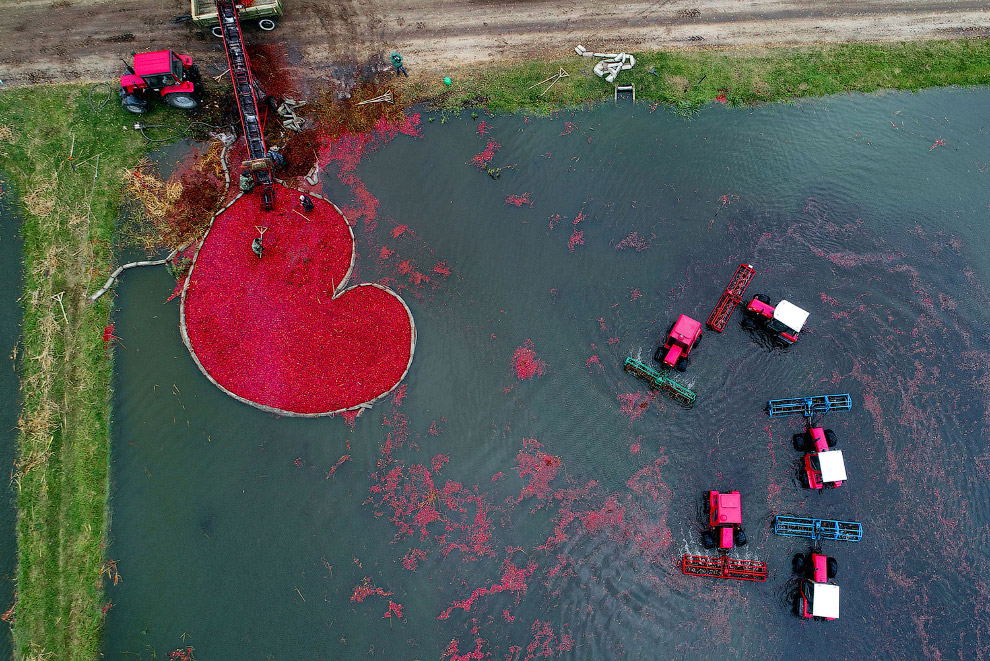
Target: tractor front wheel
{"type": "Point", "coordinates": [749, 324]}
{"type": "Point", "coordinates": [830, 438]}
{"type": "Point", "coordinates": [762, 299]}
{"type": "Point", "coordinates": [658, 354]}
{"type": "Point", "coordinates": [708, 539]}
{"type": "Point", "coordinates": [682, 364]}
{"type": "Point", "coordinates": [831, 567]}
{"type": "Point", "coordinates": [181, 100]}
{"type": "Point", "coordinates": [739, 537]}
{"type": "Point", "coordinates": [797, 564]}
{"type": "Point", "coordinates": [133, 103]}
{"type": "Point", "coordinates": [800, 442]}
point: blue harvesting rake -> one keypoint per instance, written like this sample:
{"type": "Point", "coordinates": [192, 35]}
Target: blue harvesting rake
{"type": "Point", "coordinates": [661, 381]}
{"type": "Point", "coordinates": [797, 526]}
{"type": "Point", "coordinates": [807, 406]}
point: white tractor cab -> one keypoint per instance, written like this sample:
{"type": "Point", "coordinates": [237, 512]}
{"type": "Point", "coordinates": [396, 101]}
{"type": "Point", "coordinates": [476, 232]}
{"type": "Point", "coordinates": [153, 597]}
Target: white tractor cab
{"type": "Point", "coordinates": [784, 321]}
{"type": "Point", "coordinates": [817, 597]}
{"type": "Point", "coordinates": [823, 599]}
{"type": "Point", "coordinates": [823, 464]}
{"type": "Point", "coordinates": [825, 469]}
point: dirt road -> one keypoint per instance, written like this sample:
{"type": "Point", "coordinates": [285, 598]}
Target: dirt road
{"type": "Point", "coordinates": [46, 40]}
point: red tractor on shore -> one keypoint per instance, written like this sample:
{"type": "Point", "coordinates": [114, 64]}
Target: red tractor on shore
{"type": "Point", "coordinates": [174, 77]}
{"type": "Point", "coordinates": [684, 336]}
{"type": "Point", "coordinates": [784, 321]}
{"type": "Point", "coordinates": [817, 598]}
{"type": "Point", "coordinates": [725, 521]}
{"type": "Point", "coordinates": [823, 466]}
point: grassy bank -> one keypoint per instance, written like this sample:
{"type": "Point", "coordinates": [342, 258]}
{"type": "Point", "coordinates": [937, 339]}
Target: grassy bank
{"type": "Point", "coordinates": [63, 458]}
{"type": "Point", "coordinates": [688, 79]}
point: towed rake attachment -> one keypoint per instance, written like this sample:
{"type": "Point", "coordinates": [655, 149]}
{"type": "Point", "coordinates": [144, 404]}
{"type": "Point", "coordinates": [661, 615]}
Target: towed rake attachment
{"type": "Point", "coordinates": [807, 406]}
{"type": "Point", "coordinates": [723, 567]}
{"type": "Point", "coordinates": [797, 526]}
{"type": "Point", "coordinates": [731, 297]}
{"type": "Point", "coordinates": [661, 381]}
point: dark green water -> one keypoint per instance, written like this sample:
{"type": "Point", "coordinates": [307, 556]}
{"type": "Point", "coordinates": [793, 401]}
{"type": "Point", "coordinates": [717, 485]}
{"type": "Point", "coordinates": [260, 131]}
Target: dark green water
{"type": "Point", "coordinates": [10, 330]}
{"type": "Point", "coordinates": [231, 538]}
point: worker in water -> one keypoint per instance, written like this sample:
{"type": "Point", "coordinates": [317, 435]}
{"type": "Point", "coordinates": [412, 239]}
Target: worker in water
{"type": "Point", "coordinates": [307, 202]}
{"type": "Point", "coordinates": [256, 246]}
{"type": "Point", "coordinates": [400, 68]}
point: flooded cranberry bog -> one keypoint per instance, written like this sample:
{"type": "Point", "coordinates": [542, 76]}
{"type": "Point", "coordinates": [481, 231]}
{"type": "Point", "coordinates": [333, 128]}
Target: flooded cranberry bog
{"type": "Point", "coordinates": [519, 495]}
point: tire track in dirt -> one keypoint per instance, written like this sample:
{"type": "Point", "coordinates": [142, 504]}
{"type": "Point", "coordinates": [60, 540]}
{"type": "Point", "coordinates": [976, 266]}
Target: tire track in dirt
{"type": "Point", "coordinates": [82, 39]}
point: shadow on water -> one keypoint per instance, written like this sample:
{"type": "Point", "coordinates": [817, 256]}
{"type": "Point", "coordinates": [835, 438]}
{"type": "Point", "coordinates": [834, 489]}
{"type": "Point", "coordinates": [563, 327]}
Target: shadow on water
{"type": "Point", "coordinates": [10, 330]}
{"type": "Point", "coordinates": [546, 515]}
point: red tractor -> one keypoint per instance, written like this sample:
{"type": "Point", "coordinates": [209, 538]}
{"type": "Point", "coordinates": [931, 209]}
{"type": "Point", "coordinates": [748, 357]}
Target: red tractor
{"type": "Point", "coordinates": [684, 335]}
{"type": "Point", "coordinates": [784, 321]}
{"type": "Point", "coordinates": [173, 76]}
{"type": "Point", "coordinates": [725, 520]}
{"type": "Point", "coordinates": [822, 465]}
{"type": "Point", "coordinates": [817, 598]}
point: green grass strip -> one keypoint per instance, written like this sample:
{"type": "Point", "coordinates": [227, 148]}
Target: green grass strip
{"type": "Point", "coordinates": [688, 79]}
{"type": "Point", "coordinates": [63, 447]}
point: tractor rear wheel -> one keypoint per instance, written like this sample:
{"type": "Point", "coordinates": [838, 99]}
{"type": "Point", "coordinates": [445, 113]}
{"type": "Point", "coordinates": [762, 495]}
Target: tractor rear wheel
{"type": "Point", "coordinates": [831, 567]}
{"type": "Point", "coordinates": [698, 341]}
{"type": "Point", "coordinates": [193, 75]}
{"type": "Point", "coordinates": [830, 438]}
{"type": "Point", "coordinates": [181, 100]}
{"type": "Point", "coordinates": [800, 442]}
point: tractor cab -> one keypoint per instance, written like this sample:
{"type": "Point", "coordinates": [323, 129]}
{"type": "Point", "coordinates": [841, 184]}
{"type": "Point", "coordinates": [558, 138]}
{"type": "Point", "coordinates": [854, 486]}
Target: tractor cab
{"type": "Point", "coordinates": [173, 76]}
{"type": "Point", "coordinates": [818, 597]}
{"type": "Point", "coordinates": [825, 469]}
{"type": "Point", "coordinates": [161, 69]}
{"type": "Point", "coordinates": [684, 336]}
{"type": "Point", "coordinates": [725, 520]}
{"type": "Point", "coordinates": [784, 321]}
{"type": "Point", "coordinates": [819, 600]}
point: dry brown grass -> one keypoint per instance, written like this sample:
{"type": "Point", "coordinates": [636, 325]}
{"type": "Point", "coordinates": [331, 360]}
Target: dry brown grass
{"type": "Point", "coordinates": [676, 82]}
{"type": "Point", "coordinates": [41, 201]}
{"type": "Point", "coordinates": [155, 196]}
{"type": "Point", "coordinates": [212, 160]}
{"type": "Point", "coordinates": [170, 213]}
{"type": "Point", "coordinates": [38, 654]}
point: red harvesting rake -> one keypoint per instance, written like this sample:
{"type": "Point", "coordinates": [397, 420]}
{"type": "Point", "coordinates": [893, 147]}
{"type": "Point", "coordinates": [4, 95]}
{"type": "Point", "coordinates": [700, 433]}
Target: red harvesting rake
{"type": "Point", "coordinates": [731, 297]}
{"type": "Point", "coordinates": [724, 567]}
